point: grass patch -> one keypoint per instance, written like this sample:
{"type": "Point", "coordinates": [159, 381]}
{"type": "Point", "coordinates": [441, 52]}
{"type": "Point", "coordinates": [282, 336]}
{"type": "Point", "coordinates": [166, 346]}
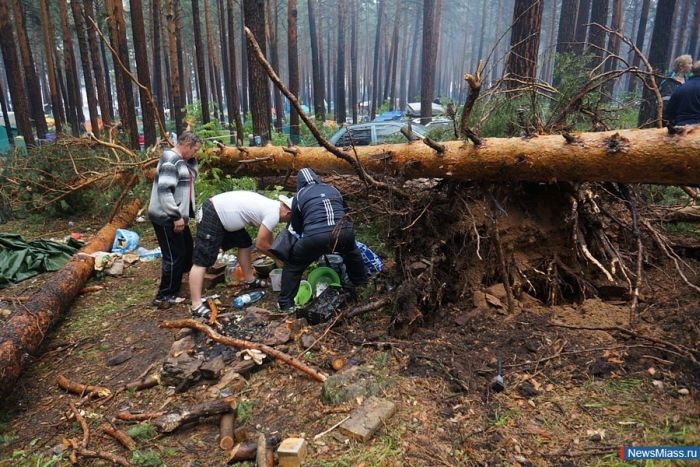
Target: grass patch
{"type": "Point", "coordinates": [151, 457]}
{"type": "Point", "coordinates": [244, 411]}
{"type": "Point", "coordinates": [617, 386]}
{"type": "Point", "coordinates": [385, 450]}
{"type": "Point", "coordinates": [142, 431]}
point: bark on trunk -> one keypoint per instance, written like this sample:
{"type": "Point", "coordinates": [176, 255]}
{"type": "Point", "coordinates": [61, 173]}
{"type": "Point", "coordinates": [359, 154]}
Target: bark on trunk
{"type": "Point", "coordinates": [626, 156]}
{"type": "Point", "coordinates": [85, 63]}
{"type": "Point", "coordinates": [25, 330]}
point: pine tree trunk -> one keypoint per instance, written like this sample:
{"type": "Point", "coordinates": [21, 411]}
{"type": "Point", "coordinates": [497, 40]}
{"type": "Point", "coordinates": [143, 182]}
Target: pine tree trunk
{"type": "Point", "coordinates": [201, 68]}
{"type": "Point", "coordinates": [213, 66]}
{"type": "Point", "coordinates": [108, 80]}
{"type": "Point", "coordinates": [625, 156]}
{"type": "Point", "coordinates": [101, 81]}
{"type": "Point", "coordinates": [244, 69]}
{"type": "Point", "coordinates": [143, 71]}
{"type": "Point", "coordinates": [340, 112]}
{"type": "Point", "coordinates": [271, 28]}
{"type": "Point", "coordinates": [235, 109]}
{"type": "Point", "coordinates": [377, 50]}
{"type": "Point", "coordinates": [259, 89]}
{"type": "Point", "coordinates": [428, 63]}
{"type": "Point", "coordinates": [14, 73]}
{"type": "Point", "coordinates": [36, 106]}
{"type": "Point", "coordinates": [49, 47]}
{"type": "Point", "coordinates": [224, 37]}
{"type": "Point", "coordinates": [353, 60]}
{"type": "Point", "coordinates": [176, 110]}
{"type": "Point", "coordinates": [521, 66]}
{"type": "Point", "coordinates": [596, 33]}
{"type": "Point", "coordinates": [293, 65]}
{"type": "Point", "coordinates": [582, 16]}
{"type": "Point", "coordinates": [85, 64]}
{"type": "Point", "coordinates": [650, 110]}
{"type": "Point", "coordinates": [616, 24]}
{"type": "Point", "coordinates": [639, 43]}
{"type": "Point", "coordinates": [319, 108]}
{"type": "Point", "coordinates": [157, 86]}
{"type": "Point", "coordinates": [125, 96]}
{"type": "Point", "coordinates": [74, 107]}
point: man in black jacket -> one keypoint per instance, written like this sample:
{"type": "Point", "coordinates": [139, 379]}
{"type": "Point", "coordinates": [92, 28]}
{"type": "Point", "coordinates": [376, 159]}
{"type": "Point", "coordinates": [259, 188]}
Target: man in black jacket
{"type": "Point", "coordinates": [319, 218]}
{"type": "Point", "coordinates": [684, 105]}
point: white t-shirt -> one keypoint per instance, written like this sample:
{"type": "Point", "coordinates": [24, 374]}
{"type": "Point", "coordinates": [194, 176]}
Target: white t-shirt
{"type": "Point", "coordinates": [236, 209]}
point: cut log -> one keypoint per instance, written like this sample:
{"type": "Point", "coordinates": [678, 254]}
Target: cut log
{"type": "Point", "coordinates": [626, 156]}
{"type": "Point", "coordinates": [226, 432]}
{"type": "Point", "coordinates": [173, 420]}
{"type": "Point", "coordinates": [25, 330]}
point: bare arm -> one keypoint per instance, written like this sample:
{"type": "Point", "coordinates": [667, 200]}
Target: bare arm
{"type": "Point", "coordinates": [263, 241]}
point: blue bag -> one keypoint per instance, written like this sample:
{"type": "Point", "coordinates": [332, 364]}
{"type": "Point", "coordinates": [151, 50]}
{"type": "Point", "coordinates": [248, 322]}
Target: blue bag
{"type": "Point", "coordinates": [373, 263]}
{"type": "Point", "coordinates": [125, 240]}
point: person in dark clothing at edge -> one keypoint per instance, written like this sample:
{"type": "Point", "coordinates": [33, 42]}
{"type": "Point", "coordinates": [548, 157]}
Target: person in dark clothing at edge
{"type": "Point", "coordinates": [684, 105]}
{"type": "Point", "coordinates": [319, 218]}
{"type": "Point", "coordinates": [170, 208]}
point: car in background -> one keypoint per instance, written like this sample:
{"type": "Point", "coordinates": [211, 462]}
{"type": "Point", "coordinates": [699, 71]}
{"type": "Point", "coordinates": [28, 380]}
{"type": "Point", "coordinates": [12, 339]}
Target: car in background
{"type": "Point", "coordinates": [366, 134]}
{"type": "Point", "coordinates": [442, 123]}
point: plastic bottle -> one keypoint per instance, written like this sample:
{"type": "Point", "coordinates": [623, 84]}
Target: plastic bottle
{"type": "Point", "coordinates": [245, 299]}
{"type": "Point", "coordinates": [230, 273]}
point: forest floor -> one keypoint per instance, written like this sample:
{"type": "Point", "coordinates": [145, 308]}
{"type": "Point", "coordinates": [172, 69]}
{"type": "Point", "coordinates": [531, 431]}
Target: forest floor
{"type": "Point", "coordinates": [572, 396]}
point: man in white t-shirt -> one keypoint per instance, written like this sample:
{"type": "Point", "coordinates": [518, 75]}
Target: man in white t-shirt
{"type": "Point", "coordinates": [221, 223]}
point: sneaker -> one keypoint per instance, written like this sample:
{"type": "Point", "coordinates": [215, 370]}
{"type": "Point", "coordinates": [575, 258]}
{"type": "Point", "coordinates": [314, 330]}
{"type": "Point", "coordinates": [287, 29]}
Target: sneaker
{"type": "Point", "coordinates": [290, 310]}
{"type": "Point", "coordinates": [166, 302]}
{"type": "Point", "coordinates": [202, 311]}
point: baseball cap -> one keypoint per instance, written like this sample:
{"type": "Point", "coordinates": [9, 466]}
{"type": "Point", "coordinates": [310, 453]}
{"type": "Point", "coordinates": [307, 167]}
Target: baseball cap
{"type": "Point", "coordinates": [286, 200]}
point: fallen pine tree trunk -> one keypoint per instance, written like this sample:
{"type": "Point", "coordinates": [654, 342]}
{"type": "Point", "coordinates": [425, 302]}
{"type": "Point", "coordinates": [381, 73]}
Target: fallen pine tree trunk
{"type": "Point", "coordinates": [24, 331]}
{"type": "Point", "coordinates": [625, 156]}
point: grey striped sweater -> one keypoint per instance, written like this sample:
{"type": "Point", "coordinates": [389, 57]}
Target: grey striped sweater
{"type": "Point", "coordinates": [172, 194]}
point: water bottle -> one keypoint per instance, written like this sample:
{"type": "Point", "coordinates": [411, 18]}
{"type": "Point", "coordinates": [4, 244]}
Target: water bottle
{"type": "Point", "coordinates": [247, 298]}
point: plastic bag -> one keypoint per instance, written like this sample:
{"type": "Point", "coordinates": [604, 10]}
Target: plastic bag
{"type": "Point", "coordinates": [373, 263]}
{"type": "Point", "coordinates": [282, 245]}
{"type": "Point", "coordinates": [125, 240]}
{"type": "Point", "coordinates": [323, 307]}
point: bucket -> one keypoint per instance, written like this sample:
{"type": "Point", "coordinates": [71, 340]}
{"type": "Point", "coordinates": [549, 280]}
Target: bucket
{"type": "Point", "coordinates": [276, 279]}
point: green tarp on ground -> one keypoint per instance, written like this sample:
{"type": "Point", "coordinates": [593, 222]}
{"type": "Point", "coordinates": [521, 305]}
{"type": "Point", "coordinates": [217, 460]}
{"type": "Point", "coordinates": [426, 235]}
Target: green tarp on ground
{"type": "Point", "coordinates": [20, 259]}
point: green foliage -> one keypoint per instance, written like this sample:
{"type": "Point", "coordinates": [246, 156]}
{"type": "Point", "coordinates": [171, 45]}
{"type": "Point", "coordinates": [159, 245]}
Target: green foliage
{"type": "Point", "coordinates": [244, 411]}
{"type": "Point", "coordinates": [212, 181]}
{"type": "Point", "coordinates": [142, 431]}
{"type": "Point", "coordinates": [42, 181]}
{"type": "Point", "coordinates": [147, 458]}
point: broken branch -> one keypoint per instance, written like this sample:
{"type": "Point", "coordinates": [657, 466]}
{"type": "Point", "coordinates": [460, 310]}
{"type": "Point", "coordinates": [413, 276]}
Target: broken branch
{"type": "Point", "coordinates": [215, 336]}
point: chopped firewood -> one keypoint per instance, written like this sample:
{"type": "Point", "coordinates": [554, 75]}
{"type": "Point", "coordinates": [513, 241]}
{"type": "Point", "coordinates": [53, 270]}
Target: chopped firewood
{"type": "Point", "coordinates": [226, 432]}
{"type": "Point", "coordinates": [138, 417]}
{"type": "Point", "coordinates": [124, 439]}
{"type": "Point", "coordinates": [244, 451]}
{"type": "Point", "coordinates": [260, 455]}
{"type": "Point", "coordinates": [215, 336]}
{"type": "Point", "coordinates": [144, 383]}
{"type": "Point", "coordinates": [338, 363]}
{"type": "Point", "coordinates": [172, 421]}
{"type": "Point", "coordinates": [214, 310]}
{"type": "Point", "coordinates": [82, 389]}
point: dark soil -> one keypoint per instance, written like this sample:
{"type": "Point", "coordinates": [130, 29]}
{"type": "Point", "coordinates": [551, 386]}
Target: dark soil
{"type": "Point", "coordinates": [572, 396]}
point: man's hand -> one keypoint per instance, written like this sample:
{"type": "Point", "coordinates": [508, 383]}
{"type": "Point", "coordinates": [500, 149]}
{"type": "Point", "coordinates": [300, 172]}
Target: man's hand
{"type": "Point", "coordinates": [263, 241]}
{"type": "Point", "coordinates": [179, 225]}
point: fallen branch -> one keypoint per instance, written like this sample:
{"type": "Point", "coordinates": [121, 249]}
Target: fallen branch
{"type": "Point", "coordinates": [680, 349]}
{"type": "Point", "coordinates": [82, 389]}
{"type": "Point", "coordinates": [170, 422]}
{"type": "Point", "coordinates": [354, 163]}
{"type": "Point", "coordinates": [123, 439]}
{"type": "Point", "coordinates": [127, 416]}
{"type": "Point", "coordinates": [239, 343]}
{"type": "Point", "coordinates": [80, 447]}
{"type": "Point", "coordinates": [386, 300]}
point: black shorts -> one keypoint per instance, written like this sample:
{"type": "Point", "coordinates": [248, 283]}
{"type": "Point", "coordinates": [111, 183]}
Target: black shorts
{"type": "Point", "coordinates": [211, 236]}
